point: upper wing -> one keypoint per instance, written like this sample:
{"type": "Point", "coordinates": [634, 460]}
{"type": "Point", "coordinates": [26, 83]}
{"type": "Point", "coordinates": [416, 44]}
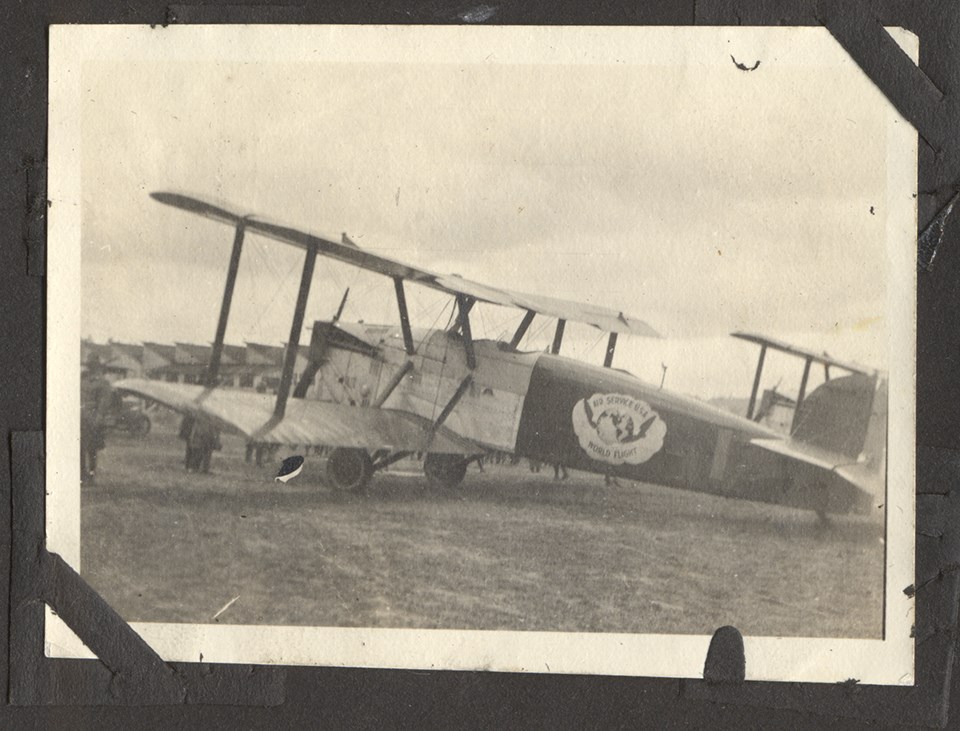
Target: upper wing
{"type": "Point", "coordinates": [306, 421]}
{"type": "Point", "coordinates": [600, 317]}
{"type": "Point", "coordinates": [821, 358]}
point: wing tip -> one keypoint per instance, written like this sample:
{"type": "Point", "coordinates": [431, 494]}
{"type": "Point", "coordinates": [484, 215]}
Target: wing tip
{"type": "Point", "coordinates": [194, 204]}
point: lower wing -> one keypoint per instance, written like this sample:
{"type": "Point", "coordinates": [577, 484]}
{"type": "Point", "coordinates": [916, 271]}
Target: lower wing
{"type": "Point", "coordinates": [306, 421]}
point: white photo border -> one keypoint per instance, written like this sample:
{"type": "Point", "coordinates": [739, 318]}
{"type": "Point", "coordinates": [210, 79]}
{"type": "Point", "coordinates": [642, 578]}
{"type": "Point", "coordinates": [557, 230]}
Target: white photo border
{"type": "Point", "coordinates": [886, 661]}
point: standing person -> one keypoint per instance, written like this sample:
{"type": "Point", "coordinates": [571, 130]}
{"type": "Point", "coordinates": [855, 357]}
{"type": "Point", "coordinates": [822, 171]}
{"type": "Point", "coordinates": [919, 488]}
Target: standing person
{"type": "Point", "coordinates": [186, 429]}
{"type": "Point", "coordinates": [256, 449]}
{"type": "Point", "coordinates": [204, 439]}
{"type": "Point", "coordinates": [95, 401]}
{"type": "Point", "coordinates": [559, 468]}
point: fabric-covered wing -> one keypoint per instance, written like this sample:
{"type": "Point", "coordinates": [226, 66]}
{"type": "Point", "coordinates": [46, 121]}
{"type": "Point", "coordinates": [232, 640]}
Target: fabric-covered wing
{"type": "Point", "coordinates": [784, 347]}
{"type": "Point", "coordinates": [306, 421]}
{"type": "Point", "coordinates": [603, 318]}
{"type": "Point", "coordinates": [600, 317]}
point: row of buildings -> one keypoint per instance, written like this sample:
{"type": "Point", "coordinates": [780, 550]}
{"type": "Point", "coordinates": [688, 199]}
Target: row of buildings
{"type": "Point", "coordinates": [251, 366]}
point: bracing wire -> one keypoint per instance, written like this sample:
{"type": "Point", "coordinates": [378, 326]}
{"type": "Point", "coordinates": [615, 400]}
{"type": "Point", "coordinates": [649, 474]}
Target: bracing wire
{"type": "Point", "coordinates": [530, 336]}
{"type": "Point", "coordinates": [483, 323]}
{"type": "Point", "coordinates": [433, 324]}
{"type": "Point", "coordinates": [590, 348]}
{"type": "Point", "coordinates": [282, 279]}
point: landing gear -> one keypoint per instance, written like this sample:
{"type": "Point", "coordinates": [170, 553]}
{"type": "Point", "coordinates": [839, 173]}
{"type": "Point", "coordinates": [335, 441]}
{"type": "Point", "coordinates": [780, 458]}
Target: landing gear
{"type": "Point", "coordinates": [349, 469]}
{"type": "Point", "coordinates": [445, 470]}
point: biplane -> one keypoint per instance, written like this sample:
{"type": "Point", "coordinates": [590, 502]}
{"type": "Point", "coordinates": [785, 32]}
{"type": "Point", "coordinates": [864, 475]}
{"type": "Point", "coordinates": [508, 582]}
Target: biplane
{"type": "Point", "coordinates": [389, 391]}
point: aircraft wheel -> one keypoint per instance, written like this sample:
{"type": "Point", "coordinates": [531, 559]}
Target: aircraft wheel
{"type": "Point", "coordinates": [349, 469]}
{"type": "Point", "coordinates": [445, 470]}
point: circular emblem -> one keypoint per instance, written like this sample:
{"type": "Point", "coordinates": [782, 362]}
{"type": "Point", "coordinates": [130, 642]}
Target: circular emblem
{"type": "Point", "coordinates": [618, 429]}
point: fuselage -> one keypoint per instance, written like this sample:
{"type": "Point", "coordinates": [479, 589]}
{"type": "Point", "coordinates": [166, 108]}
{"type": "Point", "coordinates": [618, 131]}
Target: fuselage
{"type": "Point", "coordinates": [517, 401]}
{"type": "Point", "coordinates": [554, 409]}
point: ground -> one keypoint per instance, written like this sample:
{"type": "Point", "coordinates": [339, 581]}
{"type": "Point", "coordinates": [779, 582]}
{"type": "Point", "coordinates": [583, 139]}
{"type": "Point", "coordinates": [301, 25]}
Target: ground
{"type": "Point", "coordinates": [509, 549]}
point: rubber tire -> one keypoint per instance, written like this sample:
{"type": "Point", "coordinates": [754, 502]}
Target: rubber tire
{"type": "Point", "coordinates": [445, 470]}
{"type": "Point", "coordinates": [349, 469]}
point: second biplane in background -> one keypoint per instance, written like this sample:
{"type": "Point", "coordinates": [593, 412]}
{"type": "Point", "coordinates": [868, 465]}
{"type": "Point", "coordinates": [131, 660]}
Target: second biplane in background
{"type": "Point", "coordinates": [394, 390]}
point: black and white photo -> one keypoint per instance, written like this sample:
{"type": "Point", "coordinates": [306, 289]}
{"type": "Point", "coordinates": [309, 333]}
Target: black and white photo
{"type": "Point", "coordinates": [517, 349]}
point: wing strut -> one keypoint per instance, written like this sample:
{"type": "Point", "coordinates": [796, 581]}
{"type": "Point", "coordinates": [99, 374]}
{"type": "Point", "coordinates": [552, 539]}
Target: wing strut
{"type": "Point", "coordinates": [801, 394]}
{"type": "Point", "coordinates": [756, 382]}
{"type": "Point", "coordinates": [464, 304]}
{"type": "Point", "coordinates": [392, 384]}
{"type": "Point", "coordinates": [404, 315]}
{"type": "Point", "coordinates": [343, 303]}
{"type": "Point", "coordinates": [454, 400]}
{"type": "Point", "coordinates": [558, 336]}
{"type": "Point", "coordinates": [213, 367]}
{"type": "Point", "coordinates": [293, 345]}
{"type": "Point", "coordinates": [306, 379]}
{"type": "Point", "coordinates": [611, 347]}
{"type": "Point", "coordinates": [313, 367]}
{"type": "Point", "coordinates": [522, 329]}
{"type": "Point", "coordinates": [389, 459]}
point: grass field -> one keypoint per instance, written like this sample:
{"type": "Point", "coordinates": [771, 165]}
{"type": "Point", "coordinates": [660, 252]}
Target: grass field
{"type": "Point", "coordinates": [507, 550]}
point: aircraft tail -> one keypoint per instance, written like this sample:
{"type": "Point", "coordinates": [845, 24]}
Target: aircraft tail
{"type": "Point", "coordinates": [846, 415]}
{"type": "Point", "coordinates": [841, 429]}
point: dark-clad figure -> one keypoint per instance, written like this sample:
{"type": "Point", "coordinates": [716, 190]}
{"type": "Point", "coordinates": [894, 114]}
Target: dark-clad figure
{"type": "Point", "coordinates": [255, 449]}
{"type": "Point", "coordinates": [186, 428]}
{"type": "Point", "coordinates": [559, 468]}
{"type": "Point", "coordinates": [204, 439]}
{"type": "Point", "coordinates": [95, 402]}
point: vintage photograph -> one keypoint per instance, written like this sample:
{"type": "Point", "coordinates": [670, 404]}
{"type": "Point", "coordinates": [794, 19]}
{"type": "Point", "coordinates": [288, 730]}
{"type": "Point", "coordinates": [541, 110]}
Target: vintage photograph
{"type": "Point", "coordinates": [539, 349]}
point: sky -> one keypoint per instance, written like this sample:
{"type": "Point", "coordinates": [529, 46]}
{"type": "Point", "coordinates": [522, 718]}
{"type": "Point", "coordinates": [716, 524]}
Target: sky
{"type": "Point", "coordinates": [695, 196]}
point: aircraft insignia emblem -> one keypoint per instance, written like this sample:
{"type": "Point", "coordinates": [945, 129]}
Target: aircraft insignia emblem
{"type": "Point", "coordinates": [618, 429]}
